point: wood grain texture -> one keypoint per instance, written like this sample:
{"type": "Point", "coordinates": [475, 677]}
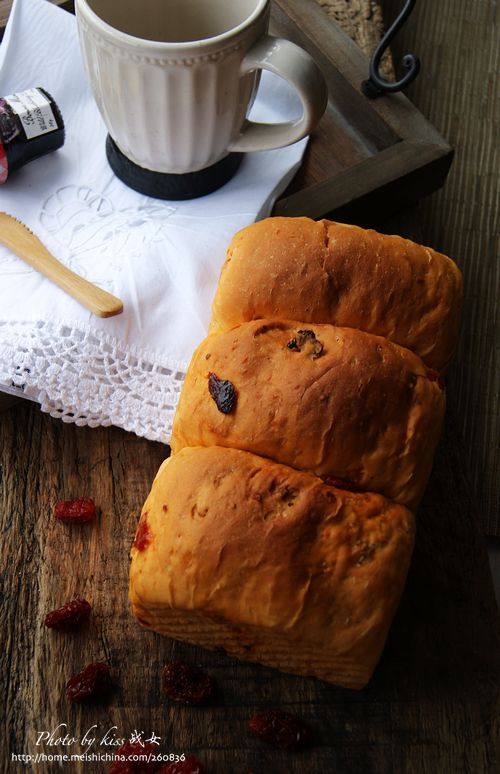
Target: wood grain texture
{"type": "Point", "coordinates": [458, 90]}
{"type": "Point", "coordinates": [7, 401]}
{"type": "Point", "coordinates": [431, 707]}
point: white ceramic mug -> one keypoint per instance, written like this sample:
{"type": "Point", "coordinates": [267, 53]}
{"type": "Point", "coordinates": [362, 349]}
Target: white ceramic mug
{"type": "Point", "coordinates": [174, 79]}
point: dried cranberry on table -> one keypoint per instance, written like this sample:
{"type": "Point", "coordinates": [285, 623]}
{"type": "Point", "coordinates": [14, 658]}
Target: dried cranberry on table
{"type": "Point", "coordinates": [280, 729]}
{"type": "Point", "coordinates": [78, 511]}
{"type": "Point", "coordinates": [131, 750]}
{"type": "Point", "coordinates": [69, 616]}
{"type": "Point", "coordinates": [189, 766]}
{"type": "Point", "coordinates": [187, 684]}
{"type": "Point", "coordinates": [93, 682]}
{"type": "Point", "coordinates": [223, 392]}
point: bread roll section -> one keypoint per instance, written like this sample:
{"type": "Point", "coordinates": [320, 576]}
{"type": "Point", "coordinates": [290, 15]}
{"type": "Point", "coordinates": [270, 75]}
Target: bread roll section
{"type": "Point", "coordinates": [325, 272]}
{"type": "Point", "coordinates": [239, 552]}
{"type": "Point", "coordinates": [332, 401]}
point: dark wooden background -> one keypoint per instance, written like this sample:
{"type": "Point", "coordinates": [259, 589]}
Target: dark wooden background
{"type": "Point", "coordinates": [432, 706]}
{"type": "Point", "coordinates": [458, 91]}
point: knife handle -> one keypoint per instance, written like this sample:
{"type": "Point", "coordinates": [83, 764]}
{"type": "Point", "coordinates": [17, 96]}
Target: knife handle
{"type": "Point", "coordinates": [18, 238]}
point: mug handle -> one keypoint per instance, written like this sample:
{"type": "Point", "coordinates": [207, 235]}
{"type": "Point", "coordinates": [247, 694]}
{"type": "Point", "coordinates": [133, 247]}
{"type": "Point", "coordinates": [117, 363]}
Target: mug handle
{"type": "Point", "coordinates": [291, 62]}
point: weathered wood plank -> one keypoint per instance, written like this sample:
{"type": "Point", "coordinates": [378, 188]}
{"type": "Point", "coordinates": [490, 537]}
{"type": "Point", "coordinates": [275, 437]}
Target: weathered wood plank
{"type": "Point", "coordinates": [458, 91]}
{"type": "Point", "coordinates": [7, 401]}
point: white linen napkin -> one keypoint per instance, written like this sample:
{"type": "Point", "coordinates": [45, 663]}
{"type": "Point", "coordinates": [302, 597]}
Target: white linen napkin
{"type": "Point", "coordinates": [161, 258]}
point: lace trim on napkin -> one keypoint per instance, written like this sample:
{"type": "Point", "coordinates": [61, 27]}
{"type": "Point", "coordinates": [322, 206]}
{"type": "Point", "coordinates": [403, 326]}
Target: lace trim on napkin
{"type": "Point", "coordinates": [88, 378]}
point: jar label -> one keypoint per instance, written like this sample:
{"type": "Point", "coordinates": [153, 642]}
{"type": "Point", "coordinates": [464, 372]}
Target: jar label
{"type": "Point", "coordinates": [34, 111]}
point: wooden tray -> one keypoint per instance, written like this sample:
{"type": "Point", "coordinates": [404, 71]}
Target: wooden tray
{"type": "Point", "coordinates": [367, 158]}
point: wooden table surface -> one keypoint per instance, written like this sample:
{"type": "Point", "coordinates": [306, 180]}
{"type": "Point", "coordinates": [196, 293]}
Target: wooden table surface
{"type": "Point", "coordinates": [432, 706]}
{"type": "Point", "coordinates": [458, 91]}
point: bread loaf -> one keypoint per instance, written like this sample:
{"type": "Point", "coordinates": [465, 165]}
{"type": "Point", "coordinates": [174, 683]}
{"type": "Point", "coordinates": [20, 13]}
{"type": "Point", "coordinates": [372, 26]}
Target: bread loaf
{"type": "Point", "coordinates": [324, 354]}
{"type": "Point", "coordinates": [236, 551]}
{"type": "Point", "coordinates": [324, 272]}
{"type": "Point", "coordinates": [333, 401]}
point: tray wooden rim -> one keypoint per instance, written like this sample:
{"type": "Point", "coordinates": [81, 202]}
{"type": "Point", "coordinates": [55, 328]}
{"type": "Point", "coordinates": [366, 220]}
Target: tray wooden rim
{"type": "Point", "coordinates": [420, 155]}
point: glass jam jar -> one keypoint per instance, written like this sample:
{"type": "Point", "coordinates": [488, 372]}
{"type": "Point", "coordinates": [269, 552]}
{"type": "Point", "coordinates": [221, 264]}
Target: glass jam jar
{"type": "Point", "coordinates": [31, 125]}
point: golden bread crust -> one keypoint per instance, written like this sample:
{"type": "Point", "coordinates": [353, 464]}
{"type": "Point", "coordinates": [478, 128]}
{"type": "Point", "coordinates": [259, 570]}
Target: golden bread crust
{"type": "Point", "coordinates": [269, 553]}
{"type": "Point", "coordinates": [326, 272]}
{"type": "Point", "coordinates": [364, 410]}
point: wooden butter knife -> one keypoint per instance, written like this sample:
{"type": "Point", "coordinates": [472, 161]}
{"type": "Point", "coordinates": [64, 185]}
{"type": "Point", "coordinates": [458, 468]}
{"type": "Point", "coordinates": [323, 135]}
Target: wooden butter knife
{"type": "Point", "coordinates": [23, 242]}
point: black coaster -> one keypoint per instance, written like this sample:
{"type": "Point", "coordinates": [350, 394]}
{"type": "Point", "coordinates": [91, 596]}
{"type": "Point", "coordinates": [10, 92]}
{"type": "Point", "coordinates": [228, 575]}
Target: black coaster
{"type": "Point", "coordinates": [162, 185]}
